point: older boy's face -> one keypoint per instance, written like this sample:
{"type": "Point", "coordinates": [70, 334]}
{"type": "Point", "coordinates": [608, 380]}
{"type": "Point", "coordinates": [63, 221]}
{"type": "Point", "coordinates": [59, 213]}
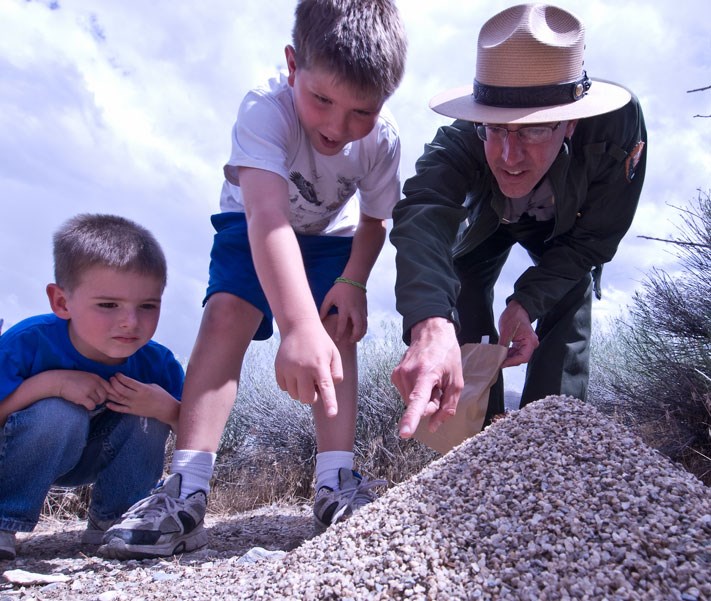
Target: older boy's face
{"type": "Point", "coordinates": [518, 166]}
{"type": "Point", "coordinates": [111, 313]}
{"type": "Point", "coordinates": [332, 113]}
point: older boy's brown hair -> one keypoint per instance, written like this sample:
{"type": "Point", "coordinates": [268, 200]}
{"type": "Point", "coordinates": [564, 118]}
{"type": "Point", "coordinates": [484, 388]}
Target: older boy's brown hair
{"type": "Point", "coordinates": [87, 241]}
{"type": "Point", "coordinates": [362, 42]}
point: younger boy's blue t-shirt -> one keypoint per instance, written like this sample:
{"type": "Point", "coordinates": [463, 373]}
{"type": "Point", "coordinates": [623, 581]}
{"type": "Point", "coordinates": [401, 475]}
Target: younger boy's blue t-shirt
{"type": "Point", "coordinates": [41, 343]}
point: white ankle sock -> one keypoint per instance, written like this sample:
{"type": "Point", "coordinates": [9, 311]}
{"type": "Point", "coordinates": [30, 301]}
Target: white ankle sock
{"type": "Point", "coordinates": [195, 467]}
{"type": "Point", "coordinates": [327, 465]}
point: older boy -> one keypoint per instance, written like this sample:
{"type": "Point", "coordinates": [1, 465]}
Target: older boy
{"type": "Point", "coordinates": [85, 395]}
{"type": "Point", "coordinates": [292, 242]}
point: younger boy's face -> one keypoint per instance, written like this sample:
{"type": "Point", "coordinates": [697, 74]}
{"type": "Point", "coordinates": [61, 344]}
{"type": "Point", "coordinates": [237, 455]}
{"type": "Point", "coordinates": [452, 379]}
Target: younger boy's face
{"type": "Point", "coordinates": [111, 313]}
{"type": "Point", "coordinates": [332, 113]}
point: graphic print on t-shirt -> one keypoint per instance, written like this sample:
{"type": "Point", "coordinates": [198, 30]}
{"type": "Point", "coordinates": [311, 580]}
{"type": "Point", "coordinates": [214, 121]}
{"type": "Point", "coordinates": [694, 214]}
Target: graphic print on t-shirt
{"type": "Point", "coordinates": [305, 203]}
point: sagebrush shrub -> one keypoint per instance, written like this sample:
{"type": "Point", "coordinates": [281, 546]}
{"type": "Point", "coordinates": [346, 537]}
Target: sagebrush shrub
{"type": "Point", "coordinates": [652, 368]}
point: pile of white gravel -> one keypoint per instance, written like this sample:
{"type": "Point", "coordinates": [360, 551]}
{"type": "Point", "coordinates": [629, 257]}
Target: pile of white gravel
{"type": "Point", "coordinates": [553, 502]}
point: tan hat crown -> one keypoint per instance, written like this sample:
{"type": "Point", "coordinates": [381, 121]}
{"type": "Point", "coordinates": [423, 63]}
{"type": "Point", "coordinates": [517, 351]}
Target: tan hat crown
{"type": "Point", "coordinates": [529, 69]}
{"type": "Point", "coordinates": [530, 45]}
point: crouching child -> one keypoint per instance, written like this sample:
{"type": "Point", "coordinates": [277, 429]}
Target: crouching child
{"type": "Point", "coordinates": [86, 397]}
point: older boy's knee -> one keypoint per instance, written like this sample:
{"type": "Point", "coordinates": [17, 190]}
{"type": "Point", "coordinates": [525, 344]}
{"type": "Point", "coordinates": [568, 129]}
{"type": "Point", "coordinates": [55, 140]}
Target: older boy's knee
{"type": "Point", "coordinates": [224, 312]}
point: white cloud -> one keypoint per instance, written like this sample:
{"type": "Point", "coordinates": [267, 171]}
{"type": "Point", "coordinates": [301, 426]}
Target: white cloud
{"type": "Point", "coordinates": [126, 107]}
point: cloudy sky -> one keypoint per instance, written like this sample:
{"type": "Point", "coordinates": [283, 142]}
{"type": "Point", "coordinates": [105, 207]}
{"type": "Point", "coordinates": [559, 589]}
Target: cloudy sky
{"type": "Point", "coordinates": [126, 107]}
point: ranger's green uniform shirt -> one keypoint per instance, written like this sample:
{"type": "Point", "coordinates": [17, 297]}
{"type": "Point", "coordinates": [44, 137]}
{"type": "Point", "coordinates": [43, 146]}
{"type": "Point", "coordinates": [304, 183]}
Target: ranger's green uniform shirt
{"type": "Point", "coordinates": [453, 203]}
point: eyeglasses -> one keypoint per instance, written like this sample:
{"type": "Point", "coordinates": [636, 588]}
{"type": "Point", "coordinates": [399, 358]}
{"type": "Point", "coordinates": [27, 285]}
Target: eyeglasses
{"type": "Point", "coordinates": [529, 134]}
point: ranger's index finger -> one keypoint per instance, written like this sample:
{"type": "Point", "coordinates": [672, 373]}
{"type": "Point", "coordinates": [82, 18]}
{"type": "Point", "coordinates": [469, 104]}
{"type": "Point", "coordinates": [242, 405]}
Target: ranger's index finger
{"type": "Point", "coordinates": [417, 402]}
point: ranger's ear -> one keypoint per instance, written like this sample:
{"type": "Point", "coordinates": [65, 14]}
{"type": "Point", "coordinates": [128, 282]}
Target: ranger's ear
{"type": "Point", "coordinates": [570, 128]}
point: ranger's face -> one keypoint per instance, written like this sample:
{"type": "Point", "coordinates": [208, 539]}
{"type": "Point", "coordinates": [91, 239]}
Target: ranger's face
{"type": "Point", "coordinates": [517, 164]}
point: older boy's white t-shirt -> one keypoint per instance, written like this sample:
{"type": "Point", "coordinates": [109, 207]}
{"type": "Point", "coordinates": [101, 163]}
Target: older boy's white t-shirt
{"type": "Point", "coordinates": [326, 193]}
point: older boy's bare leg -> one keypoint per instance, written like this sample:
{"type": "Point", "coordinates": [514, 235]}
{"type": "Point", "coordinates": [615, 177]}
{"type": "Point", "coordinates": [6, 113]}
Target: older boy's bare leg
{"type": "Point", "coordinates": [227, 327]}
{"type": "Point", "coordinates": [335, 436]}
{"type": "Point", "coordinates": [339, 489]}
{"type": "Point", "coordinates": [338, 433]}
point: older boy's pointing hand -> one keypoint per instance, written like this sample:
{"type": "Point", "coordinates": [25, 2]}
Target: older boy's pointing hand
{"type": "Point", "coordinates": [308, 364]}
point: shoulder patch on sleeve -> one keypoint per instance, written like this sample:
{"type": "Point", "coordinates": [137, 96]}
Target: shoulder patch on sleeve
{"type": "Point", "coordinates": [633, 160]}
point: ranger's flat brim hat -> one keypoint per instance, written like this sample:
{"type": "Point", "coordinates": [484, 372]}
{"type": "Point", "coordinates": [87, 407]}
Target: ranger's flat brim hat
{"type": "Point", "coordinates": [529, 69]}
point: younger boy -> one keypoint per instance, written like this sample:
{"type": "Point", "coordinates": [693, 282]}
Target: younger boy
{"type": "Point", "coordinates": [85, 395]}
{"type": "Point", "coordinates": [294, 243]}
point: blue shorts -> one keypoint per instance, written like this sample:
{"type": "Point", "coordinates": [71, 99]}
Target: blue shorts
{"type": "Point", "coordinates": [232, 269]}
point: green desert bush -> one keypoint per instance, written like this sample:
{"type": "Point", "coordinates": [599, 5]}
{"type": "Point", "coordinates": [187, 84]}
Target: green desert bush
{"type": "Point", "coordinates": [268, 441]}
{"type": "Point", "coordinates": [268, 449]}
{"type": "Point", "coordinates": [653, 367]}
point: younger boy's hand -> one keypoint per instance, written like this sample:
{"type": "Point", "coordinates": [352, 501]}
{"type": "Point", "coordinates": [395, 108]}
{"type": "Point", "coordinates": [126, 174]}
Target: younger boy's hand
{"type": "Point", "coordinates": [308, 364]}
{"type": "Point", "coordinates": [352, 308]}
{"type": "Point", "coordinates": [82, 388]}
{"type": "Point", "coordinates": [145, 400]}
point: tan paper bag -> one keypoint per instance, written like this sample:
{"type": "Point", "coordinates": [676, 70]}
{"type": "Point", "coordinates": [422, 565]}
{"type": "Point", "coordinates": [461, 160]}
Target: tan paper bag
{"type": "Point", "coordinates": [480, 367]}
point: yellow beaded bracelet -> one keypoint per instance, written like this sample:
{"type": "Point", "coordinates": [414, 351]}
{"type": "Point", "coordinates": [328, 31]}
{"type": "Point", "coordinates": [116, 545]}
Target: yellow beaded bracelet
{"type": "Point", "coordinates": [341, 280]}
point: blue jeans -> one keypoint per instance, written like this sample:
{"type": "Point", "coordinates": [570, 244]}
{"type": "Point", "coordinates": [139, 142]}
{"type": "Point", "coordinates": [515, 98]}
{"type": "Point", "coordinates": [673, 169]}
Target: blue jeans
{"type": "Point", "coordinates": [55, 442]}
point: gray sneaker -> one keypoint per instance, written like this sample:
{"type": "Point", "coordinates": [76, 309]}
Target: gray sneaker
{"type": "Point", "coordinates": [160, 525]}
{"type": "Point", "coordinates": [7, 544]}
{"type": "Point", "coordinates": [331, 506]}
{"type": "Point", "coordinates": [95, 530]}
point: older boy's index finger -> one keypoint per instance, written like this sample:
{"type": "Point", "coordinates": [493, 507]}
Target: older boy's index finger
{"type": "Point", "coordinates": [327, 392]}
{"type": "Point", "coordinates": [327, 382]}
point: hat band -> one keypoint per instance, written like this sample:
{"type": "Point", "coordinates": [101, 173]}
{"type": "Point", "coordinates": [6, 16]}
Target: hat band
{"type": "Point", "coordinates": [532, 96]}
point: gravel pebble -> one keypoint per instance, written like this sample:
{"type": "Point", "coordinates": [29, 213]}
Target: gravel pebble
{"type": "Point", "coordinates": [553, 502]}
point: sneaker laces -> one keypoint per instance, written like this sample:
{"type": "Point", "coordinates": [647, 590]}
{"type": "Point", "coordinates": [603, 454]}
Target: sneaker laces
{"type": "Point", "coordinates": [153, 505]}
{"type": "Point", "coordinates": [357, 495]}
